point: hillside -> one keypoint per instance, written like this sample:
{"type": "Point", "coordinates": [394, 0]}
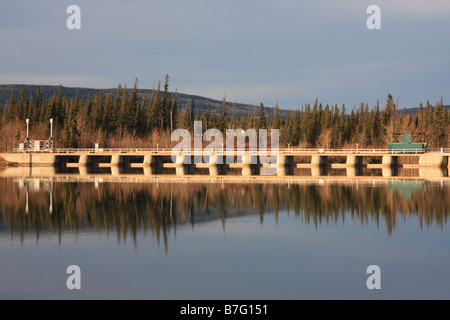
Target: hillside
{"type": "Point", "coordinates": [202, 103]}
{"type": "Point", "coordinates": [413, 111]}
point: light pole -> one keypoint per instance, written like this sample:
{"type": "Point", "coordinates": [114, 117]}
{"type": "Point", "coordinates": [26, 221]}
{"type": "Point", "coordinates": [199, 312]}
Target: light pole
{"type": "Point", "coordinates": [50, 140]}
{"type": "Point", "coordinates": [27, 139]}
{"type": "Point", "coordinates": [157, 147]}
{"type": "Point", "coordinates": [28, 126]}
{"type": "Point", "coordinates": [357, 147]}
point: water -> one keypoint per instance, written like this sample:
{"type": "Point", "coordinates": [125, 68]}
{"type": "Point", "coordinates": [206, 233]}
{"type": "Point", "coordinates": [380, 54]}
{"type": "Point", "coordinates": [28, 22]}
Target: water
{"type": "Point", "coordinates": [291, 240]}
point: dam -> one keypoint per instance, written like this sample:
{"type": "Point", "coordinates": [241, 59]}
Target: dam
{"type": "Point", "coordinates": [219, 162]}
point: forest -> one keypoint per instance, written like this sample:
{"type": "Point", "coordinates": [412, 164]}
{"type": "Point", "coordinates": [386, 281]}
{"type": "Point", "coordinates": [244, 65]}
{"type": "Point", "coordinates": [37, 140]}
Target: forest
{"type": "Point", "coordinates": [127, 118]}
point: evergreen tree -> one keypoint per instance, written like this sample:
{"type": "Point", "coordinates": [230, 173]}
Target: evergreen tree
{"type": "Point", "coordinates": [174, 111]}
{"type": "Point", "coordinates": [185, 118]}
{"type": "Point", "coordinates": [108, 118]}
{"type": "Point", "coordinates": [367, 128]}
{"type": "Point", "coordinates": [336, 116]}
{"type": "Point", "coordinates": [262, 122]}
{"type": "Point", "coordinates": [70, 134]}
{"type": "Point", "coordinates": [133, 110]}
{"type": "Point", "coordinates": [437, 132]}
{"type": "Point", "coordinates": [115, 111]}
{"type": "Point", "coordinates": [223, 114]}
{"type": "Point", "coordinates": [31, 112]}
{"type": "Point", "coordinates": [141, 116]}
{"type": "Point", "coordinates": [154, 115]}
{"type": "Point", "coordinates": [49, 108]}
{"type": "Point", "coordinates": [286, 130]}
{"type": "Point", "coordinates": [387, 113]}
{"type": "Point", "coordinates": [11, 114]}
{"type": "Point", "coordinates": [59, 110]}
{"type": "Point", "coordinates": [165, 106]}
{"type": "Point", "coordinates": [345, 126]}
{"type": "Point", "coordinates": [326, 121]}
{"type": "Point", "coordinates": [90, 114]}
{"type": "Point", "coordinates": [306, 122]}
{"type": "Point", "coordinates": [295, 135]}
{"type": "Point", "coordinates": [124, 116]}
{"type": "Point", "coordinates": [99, 111]}
{"type": "Point", "coordinates": [276, 118]}
{"type": "Point", "coordinates": [40, 110]}
{"type": "Point", "coordinates": [192, 115]}
{"type": "Point", "coordinates": [21, 109]}
{"type": "Point", "coordinates": [311, 130]}
{"type": "Point", "coordinates": [428, 115]}
{"type": "Point", "coordinates": [376, 126]}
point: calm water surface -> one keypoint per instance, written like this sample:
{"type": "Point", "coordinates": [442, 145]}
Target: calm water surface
{"type": "Point", "coordinates": [181, 240]}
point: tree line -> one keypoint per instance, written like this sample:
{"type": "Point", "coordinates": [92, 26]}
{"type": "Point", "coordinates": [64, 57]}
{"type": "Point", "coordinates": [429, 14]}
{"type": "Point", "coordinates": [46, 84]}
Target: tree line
{"type": "Point", "coordinates": [126, 117]}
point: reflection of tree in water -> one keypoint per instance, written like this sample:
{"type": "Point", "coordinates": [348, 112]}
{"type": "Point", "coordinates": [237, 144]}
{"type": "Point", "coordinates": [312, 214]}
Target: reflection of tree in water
{"type": "Point", "coordinates": [128, 208]}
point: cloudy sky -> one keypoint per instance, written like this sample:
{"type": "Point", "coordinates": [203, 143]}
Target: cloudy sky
{"type": "Point", "coordinates": [291, 51]}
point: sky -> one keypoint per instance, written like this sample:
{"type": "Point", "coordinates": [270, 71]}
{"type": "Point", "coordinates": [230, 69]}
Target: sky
{"type": "Point", "coordinates": [254, 51]}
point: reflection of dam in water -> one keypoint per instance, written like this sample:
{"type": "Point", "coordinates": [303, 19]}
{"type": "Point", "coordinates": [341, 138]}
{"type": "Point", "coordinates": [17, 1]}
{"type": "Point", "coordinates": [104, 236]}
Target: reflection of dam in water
{"type": "Point", "coordinates": [43, 179]}
{"type": "Point", "coordinates": [130, 203]}
{"type": "Point", "coordinates": [45, 186]}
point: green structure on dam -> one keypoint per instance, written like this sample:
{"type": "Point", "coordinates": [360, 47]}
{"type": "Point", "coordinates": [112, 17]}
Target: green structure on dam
{"type": "Point", "coordinates": [404, 142]}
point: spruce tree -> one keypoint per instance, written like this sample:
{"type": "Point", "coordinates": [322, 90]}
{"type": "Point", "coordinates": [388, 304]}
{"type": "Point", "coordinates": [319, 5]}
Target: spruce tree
{"type": "Point", "coordinates": [165, 105]}
{"type": "Point", "coordinates": [21, 109]}
{"type": "Point", "coordinates": [59, 110]}
{"type": "Point", "coordinates": [185, 118]}
{"type": "Point", "coordinates": [437, 134]}
{"type": "Point", "coordinates": [286, 137]}
{"type": "Point", "coordinates": [343, 132]}
{"type": "Point", "coordinates": [376, 127]}
{"type": "Point", "coordinates": [141, 122]}
{"type": "Point", "coordinates": [262, 122]}
{"type": "Point", "coordinates": [124, 111]}
{"type": "Point", "coordinates": [115, 111]}
{"type": "Point", "coordinates": [31, 111]}
{"type": "Point", "coordinates": [70, 134]}
{"type": "Point", "coordinates": [108, 119]}
{"type": "Point", "coordinates": [133, 110]}
{"type": "Point", "coordinates": [312, 129]}
{"type": "Point", "coordinates": [192, 115]}
{"type": "Point", "coordinates": [326, 119]}
{"type": "Point", "coordinates": [90, 114]}
{"type": "Point", "coordinates": [174, 111]}
{"type": "Point", "coordinates": [295, 136]}
{"type": "Point", "coordinates": [276, 118]}
{"type": "Point", "coordinates": [223, 114]}
{"type": "Point", "coordinates": [40, 110]}
{"type": "Point", "coordinates": [11, 113]}
{"type": "Point", "coordinates": [367, 128]}
{"type": "Point", "coordinates": [154, 115]}
{"type": "Point", "coordinates": [205, 120]}
{"type": "Point", "coordinates": [387, 112]}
